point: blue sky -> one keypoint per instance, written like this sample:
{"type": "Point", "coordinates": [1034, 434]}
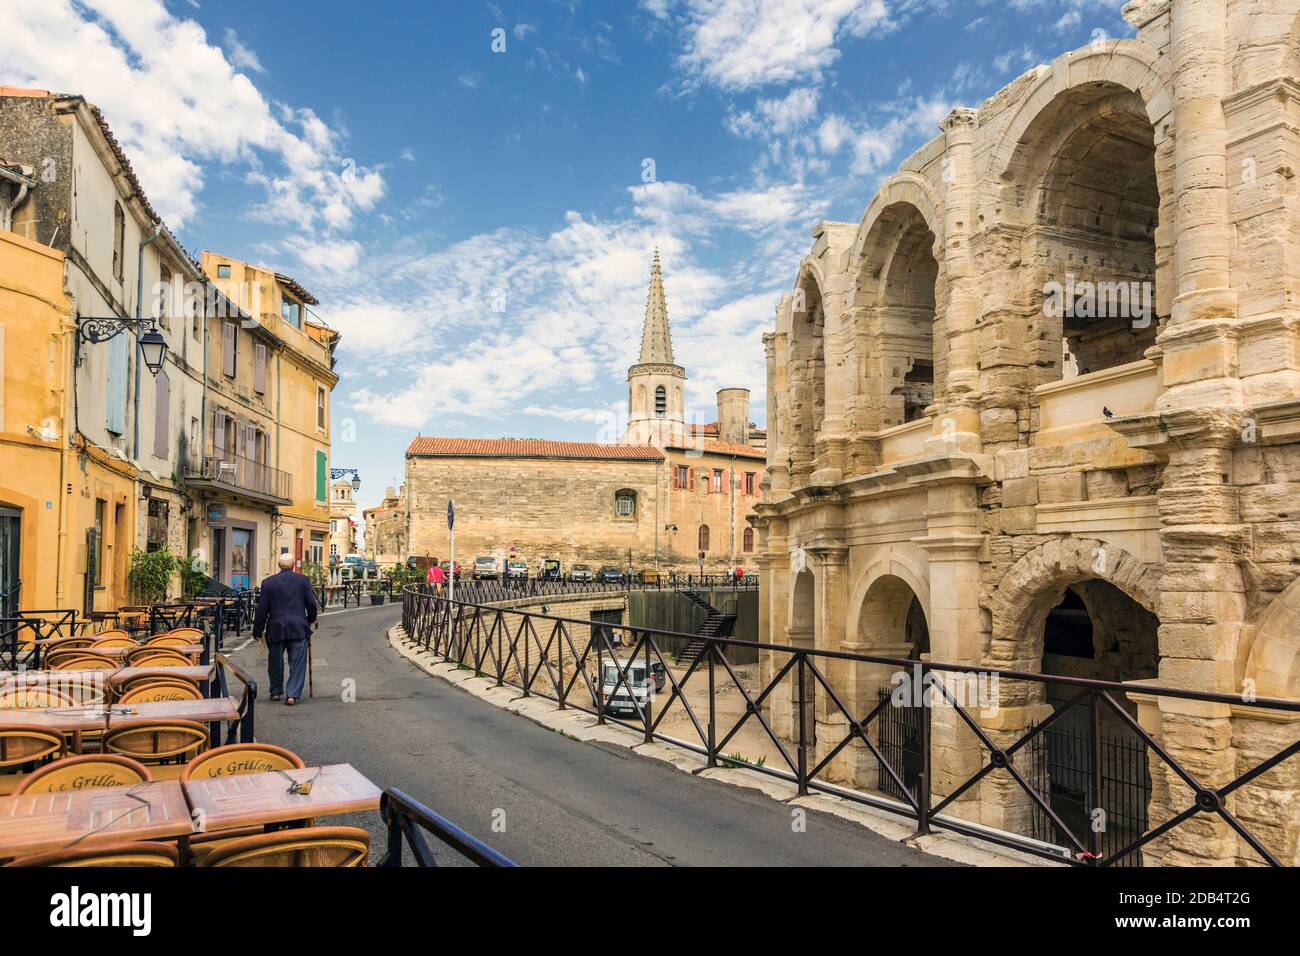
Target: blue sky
{"type": "Point", "coordinates": [478, 222]}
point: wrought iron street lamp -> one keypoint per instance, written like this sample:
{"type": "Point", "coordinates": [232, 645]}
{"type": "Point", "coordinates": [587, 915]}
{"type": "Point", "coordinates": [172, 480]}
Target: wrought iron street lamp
{"type": "Point", "coordinates": [153, 347]}
{"type": "Point", "coordinates": [336, 473]}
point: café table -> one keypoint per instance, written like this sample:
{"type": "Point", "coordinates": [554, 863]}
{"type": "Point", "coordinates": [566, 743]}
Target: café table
{"type": "Point", "coordinates": [42, 822]}
{"type": "Point", "coordinates": [256, 799]}
{"type": "Point", "coordinates": [197, 672]}
{"type": "Point", "coordinates": [76, 720]}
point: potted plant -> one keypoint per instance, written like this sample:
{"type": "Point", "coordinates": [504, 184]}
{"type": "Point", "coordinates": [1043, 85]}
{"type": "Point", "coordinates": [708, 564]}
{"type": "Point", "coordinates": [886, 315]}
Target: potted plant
{"type": "Point", "coordinates": [150, 575]}
{"type": "Point", "coordinates": [376, 592]}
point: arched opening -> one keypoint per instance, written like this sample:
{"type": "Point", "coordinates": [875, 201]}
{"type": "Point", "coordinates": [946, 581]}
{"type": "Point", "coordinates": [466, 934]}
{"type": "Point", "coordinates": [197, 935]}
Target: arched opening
{"type": "Point", "coordinates": [1090, 158]}
{"type": "Point", "coordinates": [748, 541]}
{"type": "Point", "coordinates": [625, 503]}
{"type": "Point", "coordinates": [704, 539]}
{"type": "Point", "coordinates": [1089, 758]}
{"type": "Point", "coordinates": [808, 373]}
{"type": "Point", "coordinates": [661, 401]}
{"type": "Point", "coordinates": [898, 282]}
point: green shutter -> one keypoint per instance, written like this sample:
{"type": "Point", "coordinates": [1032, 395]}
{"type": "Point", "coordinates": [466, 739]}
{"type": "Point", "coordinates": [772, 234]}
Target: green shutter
{"type": "Point", "coordinates": [321, 467]}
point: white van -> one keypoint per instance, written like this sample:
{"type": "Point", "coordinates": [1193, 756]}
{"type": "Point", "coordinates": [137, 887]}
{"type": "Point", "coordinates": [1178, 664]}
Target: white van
{"type": "Point", "coordinates": [615, 692]}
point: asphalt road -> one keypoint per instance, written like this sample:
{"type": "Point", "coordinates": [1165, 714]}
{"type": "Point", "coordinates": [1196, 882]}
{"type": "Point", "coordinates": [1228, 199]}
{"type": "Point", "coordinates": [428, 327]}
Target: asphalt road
{"type": "Point", "coordinates": [563, 802]}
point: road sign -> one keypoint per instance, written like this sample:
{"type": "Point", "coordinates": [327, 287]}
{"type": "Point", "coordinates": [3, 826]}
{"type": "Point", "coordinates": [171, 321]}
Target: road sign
{"type": "Point", "coordinates": [451, 514]}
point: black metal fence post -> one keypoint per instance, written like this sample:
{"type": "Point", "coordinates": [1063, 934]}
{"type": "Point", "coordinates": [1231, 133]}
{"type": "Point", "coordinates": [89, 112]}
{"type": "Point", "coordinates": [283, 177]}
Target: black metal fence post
{"type": "Point", "coordinates": [803, 730]}
{"type": "Point", "coordinates": [712, 745]}
{"type": "Point", "coordinates": [923, 796]}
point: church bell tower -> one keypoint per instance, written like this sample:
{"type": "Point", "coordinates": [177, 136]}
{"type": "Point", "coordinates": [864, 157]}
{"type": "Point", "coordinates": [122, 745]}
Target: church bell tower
{"type": "Point", "coordinates": [655, 392]}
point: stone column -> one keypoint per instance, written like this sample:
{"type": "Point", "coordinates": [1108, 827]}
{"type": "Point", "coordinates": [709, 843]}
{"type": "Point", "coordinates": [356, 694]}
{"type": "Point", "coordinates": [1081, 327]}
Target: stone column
{"type": "Point", "coordinates": [832, 436]}
{"type": "Point", "coordinates": [832, 600]}
{"type": "Point", "coordinates": [957, 424]}
{"type": "Point", "coordinates": [1202, 609]}
{"type": "Point", "coordinates": [956, 624]}
{"type": "Point", "coordinates": [774, 597]}
{"type": "Point", "coordinates": [1199, 342]}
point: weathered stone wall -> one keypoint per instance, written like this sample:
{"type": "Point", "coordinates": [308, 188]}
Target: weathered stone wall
{"type": "Point", "coordinates": [1160, 454]}
{"type": "Point", "coordinates": [533, 509]}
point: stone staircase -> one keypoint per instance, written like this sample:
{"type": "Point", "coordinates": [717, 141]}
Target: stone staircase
{"type": "Point", "coordinates": [716, 624]}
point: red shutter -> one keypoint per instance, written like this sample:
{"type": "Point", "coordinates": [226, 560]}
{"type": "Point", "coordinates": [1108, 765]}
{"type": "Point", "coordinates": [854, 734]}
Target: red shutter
{"type": "Point", "coordinates": [692, 479]}
{"type": "Point", "coordinates": [677, 479]}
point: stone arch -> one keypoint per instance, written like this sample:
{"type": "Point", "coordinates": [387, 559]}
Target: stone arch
{"type": "Point", "coordinates": [897, 295]}
{"type": "Point", "coordinates": [907, 188]}
{"type": "Point", "coordinates": [803, 607]}
{"type": "Point", "coordinates": [907, 565]}
{"type": "Point", "coordinates": [1123, 64]}
{"type": "Point", "coordinates": [1082, 169]}
{"type": "Point", "coordinates": [807, 366]}
{"type": "Point", "coordinates": [1274, 658]}
{"type": "Point", "coordinates": [1037, 582]}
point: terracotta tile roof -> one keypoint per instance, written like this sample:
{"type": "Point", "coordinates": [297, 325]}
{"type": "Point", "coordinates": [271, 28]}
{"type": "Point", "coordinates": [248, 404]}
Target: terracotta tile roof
{"type": "Point", "coordinates": [529, 448]}
{"type": "Point", "coordinates": [726, 448]}
{"type": "Point", "coordinates": [294, 286]}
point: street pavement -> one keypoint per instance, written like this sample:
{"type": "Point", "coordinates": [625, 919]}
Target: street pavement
{"type": "Point", "coordinates": [561, 801]}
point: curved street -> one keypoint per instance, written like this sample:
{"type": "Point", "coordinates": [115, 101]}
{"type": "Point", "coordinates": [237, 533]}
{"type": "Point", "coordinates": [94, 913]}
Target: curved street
{"type": "Point", "coordinates": [563, 802]}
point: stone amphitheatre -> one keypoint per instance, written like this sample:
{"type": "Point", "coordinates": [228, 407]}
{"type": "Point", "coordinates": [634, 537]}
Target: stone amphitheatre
{"type": "Point", "coordinates": [1039, 410]}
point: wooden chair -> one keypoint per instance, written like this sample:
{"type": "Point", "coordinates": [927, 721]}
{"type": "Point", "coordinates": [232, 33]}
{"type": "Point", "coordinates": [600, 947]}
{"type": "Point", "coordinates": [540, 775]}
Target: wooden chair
{"type": "Point", "coordinates": [157, 657]}
{"type": "Point", "coordinates": [117, 854]}
{"type": "Point", "coordinates": [113, 632]}
{"type": "Point", "coordinates": [20, 745]}
{"type": "Point", "coordinates": [157, 742]}
{"type": "Point", "coordinates": [186, 635]}
{"type": "Point", "coordinates": [85, 662]}
{"type": "Point", "coordinates": [313, 847]}
{"type": "Point", "coordinates": [117, 640]}
{"type": "Point", "coordinates": [158, 689]}
{"type": "Point", "coordinates": [31, 696]}
{"type": "Point", "coordinates": [144, 679]}
{"type": "Point", "coordinates": [235, 760]}
{"type": "Point", "coordinates": [85, 773]}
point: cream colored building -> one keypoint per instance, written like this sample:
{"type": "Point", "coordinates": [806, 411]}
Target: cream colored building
{"type": "Point", "coordinates": [671, 495]}
{"type": "Point", "coordinates": [274, 367]}
{"type": "Point", "coordinates": [343, 521]}
{"type": "Point", "coordinates": [1040, 410]}
{"type": "Point", "coordinates": [386, 528]}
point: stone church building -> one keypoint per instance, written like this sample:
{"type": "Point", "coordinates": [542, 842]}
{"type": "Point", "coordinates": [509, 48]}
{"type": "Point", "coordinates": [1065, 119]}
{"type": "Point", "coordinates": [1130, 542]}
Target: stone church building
{"type": "Point", "coordinates": [1039, 410]}
{"type": "Point", "coordinates": [672, 495]}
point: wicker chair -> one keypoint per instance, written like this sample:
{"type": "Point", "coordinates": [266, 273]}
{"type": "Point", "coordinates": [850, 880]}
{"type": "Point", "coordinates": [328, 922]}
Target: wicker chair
{"type": "Point", "coordinates": [234, 760]}
{"type": "Point", "coordinates": [182, 635]}
{"type": "Point", "coordinates": [117, 854]}
{"type": "Point", "coordinates": [85, 773]}
{"type": "Point", "coordinates": [116, 640]}
{"type": "Point", "coordinates": [313, 847]}
{"type": "Point", "coordinates": [157, 742]}
{"type": "Point", "coordinates": [85, 661]}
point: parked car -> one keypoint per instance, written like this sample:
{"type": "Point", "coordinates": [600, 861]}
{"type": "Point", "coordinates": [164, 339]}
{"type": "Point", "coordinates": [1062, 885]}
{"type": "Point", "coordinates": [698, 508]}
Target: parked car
{"type": "Point", "coordinates": [550, 570]}
{"type": "Point", "coordinates": [486, 568]}
{"type": "Point", "coordinates": [610, 575]}
{"type": "Point", "coordinates": [360, 565]}
{"type": "Point", "coordinates": [618, 700]}
{"type": "Point", "coordinates": [446, 568]}
{"type": "Point", "coordinates": [516, 571]}
{"type": "Point", "coordinates": [581, 573]}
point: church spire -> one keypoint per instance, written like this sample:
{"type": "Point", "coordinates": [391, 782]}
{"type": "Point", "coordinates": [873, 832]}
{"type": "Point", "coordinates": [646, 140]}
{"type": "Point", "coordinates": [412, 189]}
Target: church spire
{"type": "Point", "coordinates": [656, 338]}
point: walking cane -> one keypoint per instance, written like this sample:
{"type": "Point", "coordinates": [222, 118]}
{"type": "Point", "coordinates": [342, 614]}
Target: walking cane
{"type": "Point", "coordinates": [311, 684]}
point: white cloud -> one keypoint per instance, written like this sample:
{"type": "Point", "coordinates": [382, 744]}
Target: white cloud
{"type": "Point", "coordinates": [177, 104]}
{"type": "Point", "coordinates": [740, 44]}
{"type": "Point", "coordinates": [241, 56]}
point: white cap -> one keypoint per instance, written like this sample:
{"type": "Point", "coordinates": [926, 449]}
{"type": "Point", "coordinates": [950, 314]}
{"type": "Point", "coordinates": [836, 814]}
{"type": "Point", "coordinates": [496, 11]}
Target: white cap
{"type": "Point", "coordinates": [285, 560]}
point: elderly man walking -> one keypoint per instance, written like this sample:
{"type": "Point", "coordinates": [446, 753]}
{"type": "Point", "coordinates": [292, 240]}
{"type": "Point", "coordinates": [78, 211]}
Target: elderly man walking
{"type": "Point", "coordinates": [286, 615]}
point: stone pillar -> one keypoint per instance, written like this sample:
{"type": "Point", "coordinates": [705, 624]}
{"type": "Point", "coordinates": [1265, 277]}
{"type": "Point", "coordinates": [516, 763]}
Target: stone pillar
{"type": "Point", "coordinates": [832, 599]}
{"type": "Point", "coordinates": [864, 681]}
{"type": "Point", "coordinates": [1199, 342]}
{"type": "Point", "coordinates": [832, 436]}
{"type": "Point", "coordinates": [957, 420]}
{"type": "Point", "coordinates": [956, 624]}
{"type": "Point", "coordinates": [1202, 609]}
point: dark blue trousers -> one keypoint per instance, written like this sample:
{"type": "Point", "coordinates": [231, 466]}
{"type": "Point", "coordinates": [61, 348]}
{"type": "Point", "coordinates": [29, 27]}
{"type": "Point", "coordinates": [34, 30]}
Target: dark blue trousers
{"type": "Point", "coordinates": [297, 651]}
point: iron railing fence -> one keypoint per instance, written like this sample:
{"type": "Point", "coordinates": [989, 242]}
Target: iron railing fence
{"type": "Point", "coordinates": [235, 471]}
{"type": "Point", "coordinates": [408, 820]}
{"type": "Point", "coordinates": [494, 591]}
{"type": "Point", "coordinates": [527, 650]}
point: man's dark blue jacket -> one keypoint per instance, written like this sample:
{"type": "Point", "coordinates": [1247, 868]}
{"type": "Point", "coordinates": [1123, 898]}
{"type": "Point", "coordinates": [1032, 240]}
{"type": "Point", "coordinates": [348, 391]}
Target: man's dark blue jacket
{"type": "Point", "coordinates": [286, 608]}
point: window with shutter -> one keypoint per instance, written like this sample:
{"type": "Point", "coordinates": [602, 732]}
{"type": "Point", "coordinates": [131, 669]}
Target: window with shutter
{"type": "Point", "coordinates": [691, 472]}
{"type": "Point", "coordinates": [115, 412]}
{"type": "Point", "coordinates": [259, 368]}
{"type": "Point", "coordinates": [322, 468]}
{"type": "Point", "coordinates": [162, 397]}
{"type": "Point", "coordinates": [228, 347]}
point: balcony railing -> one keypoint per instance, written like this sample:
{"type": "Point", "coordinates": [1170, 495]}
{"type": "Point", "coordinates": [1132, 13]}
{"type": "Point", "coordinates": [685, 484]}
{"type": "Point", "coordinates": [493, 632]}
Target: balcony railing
{"type": "Point", "coordinates": [234, 471]}
{"type": "Point", "coordinates": [1075, 409]}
